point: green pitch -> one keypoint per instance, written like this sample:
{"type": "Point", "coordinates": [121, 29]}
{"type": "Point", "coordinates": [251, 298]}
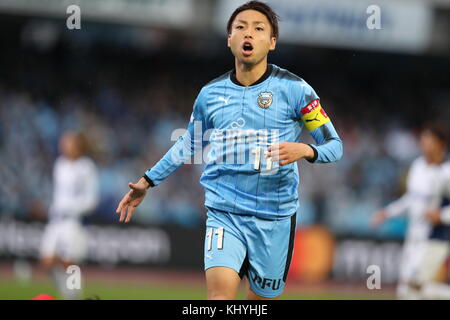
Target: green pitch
{"type": "Point", "coordinates": [11, 289]}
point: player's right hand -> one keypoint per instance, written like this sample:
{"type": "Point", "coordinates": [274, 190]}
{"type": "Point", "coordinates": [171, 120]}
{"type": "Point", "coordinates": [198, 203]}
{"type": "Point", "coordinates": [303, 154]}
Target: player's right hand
{"type": "Point", "coordinates": [378, 218]}
{"type": "Point", "coordinates": [131, 200]}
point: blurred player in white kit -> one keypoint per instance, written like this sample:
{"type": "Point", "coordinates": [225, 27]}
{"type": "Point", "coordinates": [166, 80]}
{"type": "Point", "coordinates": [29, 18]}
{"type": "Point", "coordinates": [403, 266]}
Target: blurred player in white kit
{"type": "Point", "coordinates": [438, 246]}
{"type": "Point", "coordinates": [75, 195]}
{"type": "Point", "coordinates": [424, 178]}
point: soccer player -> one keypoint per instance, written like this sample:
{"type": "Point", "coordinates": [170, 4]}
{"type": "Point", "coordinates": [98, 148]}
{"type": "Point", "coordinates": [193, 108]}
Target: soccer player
{"type": "Point", "coordinates": [437, 247]}
{"type": "Point", "coordinates": [75, 194]}
{"type": "Point", "coordinates": [252, 117]}
{"type": "Point", "coordinates": [424, 177]}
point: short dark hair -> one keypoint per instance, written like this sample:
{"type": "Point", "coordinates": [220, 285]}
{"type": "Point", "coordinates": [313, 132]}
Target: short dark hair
{"type": "Point", "coordinates": [261, 7]}
{"type": "Point", "coordinates": [439, 131]}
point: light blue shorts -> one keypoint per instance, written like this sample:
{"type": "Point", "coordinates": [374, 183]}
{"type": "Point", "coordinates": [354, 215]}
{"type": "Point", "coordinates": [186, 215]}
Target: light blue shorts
{"type": "Point", "coordinates": [258, 248]}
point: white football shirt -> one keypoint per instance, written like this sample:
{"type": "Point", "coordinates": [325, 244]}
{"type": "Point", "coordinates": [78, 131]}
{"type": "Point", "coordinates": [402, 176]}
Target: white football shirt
{"type": "Point", "coordinates": [75, 190]}
{"type": "Point", "coordinates": [424, 181]}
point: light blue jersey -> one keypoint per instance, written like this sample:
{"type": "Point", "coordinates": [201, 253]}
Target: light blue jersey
{"type": "Point", "coordinates": [231, 128]}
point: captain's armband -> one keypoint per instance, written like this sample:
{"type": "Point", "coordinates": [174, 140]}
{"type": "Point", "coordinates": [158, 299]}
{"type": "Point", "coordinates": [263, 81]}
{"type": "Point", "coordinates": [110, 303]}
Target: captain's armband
{"type": "Point", "coordinates": [313, 115]}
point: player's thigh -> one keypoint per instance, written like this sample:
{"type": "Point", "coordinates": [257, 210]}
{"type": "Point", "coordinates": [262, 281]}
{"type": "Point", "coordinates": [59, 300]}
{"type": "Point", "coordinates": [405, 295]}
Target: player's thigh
{"type": "Point", "coordinates": [270, 249]}
{"type": "Point", "coordinates": [48, 245]}
{"type": "Point", "coordinates": [224, 253]}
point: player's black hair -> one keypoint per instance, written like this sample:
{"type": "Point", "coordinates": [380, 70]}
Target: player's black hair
{"type": "Point", "coordinates": [258, 6]}
{"type": "Point", "coordinates": [439, 131]}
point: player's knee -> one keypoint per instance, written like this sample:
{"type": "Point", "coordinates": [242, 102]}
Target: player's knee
{"type": "Point", "coordinates": [47, 262]}
{"type": "Point", "coordinates": [220, 296]}
{"type": "Point", "coordinates": [415, 285]}
{"type": "Point", "coordinates": [253, 296]}
{"type": "Point", "coordinates": [221, 291]}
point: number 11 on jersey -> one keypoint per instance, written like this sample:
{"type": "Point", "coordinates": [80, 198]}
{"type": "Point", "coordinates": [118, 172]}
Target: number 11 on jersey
{"type": "Point", "coordinates": [209, 235]}
{"type": "Point", "coordinates": [257, 151]}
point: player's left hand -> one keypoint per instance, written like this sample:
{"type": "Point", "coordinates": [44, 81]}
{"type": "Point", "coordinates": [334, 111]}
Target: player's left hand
{"type": "Point", "coordinates": [288, 152]}
{"type": "Point", "coordinates": [434, 216]}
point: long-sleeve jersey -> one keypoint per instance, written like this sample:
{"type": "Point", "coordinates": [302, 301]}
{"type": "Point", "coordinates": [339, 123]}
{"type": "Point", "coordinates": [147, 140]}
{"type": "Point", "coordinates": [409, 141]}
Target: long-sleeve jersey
{"type": "Point", "coordinates": [442, 191]}
{"type": "Point", "coordinates": [423, 181]}
{"type": "Point", "coordinates": [75, 190]}
{"type": "Point", "coordinates": [237, 124]}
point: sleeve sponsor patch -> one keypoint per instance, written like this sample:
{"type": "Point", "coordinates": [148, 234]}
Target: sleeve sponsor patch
{"type": "Point", "coordinates": [313, 116]}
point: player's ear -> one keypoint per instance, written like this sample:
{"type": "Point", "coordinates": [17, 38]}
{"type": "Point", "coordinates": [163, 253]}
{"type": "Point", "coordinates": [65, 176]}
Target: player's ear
{"type": "Point", "coordinates": [229, 40]}
{"type": "Point", "coordinates": [273, 43]}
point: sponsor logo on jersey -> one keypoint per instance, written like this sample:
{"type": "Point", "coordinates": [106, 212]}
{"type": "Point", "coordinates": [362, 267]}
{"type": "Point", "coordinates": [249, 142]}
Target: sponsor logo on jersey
{"type": "Point", "coordinates": [313, 115]}
{"type": "Point", "coordinates": [239, 123]}
{"type": "Point", "coordinates": [265, 99]}
{"type": "Point", "coordinates": [263, 283]}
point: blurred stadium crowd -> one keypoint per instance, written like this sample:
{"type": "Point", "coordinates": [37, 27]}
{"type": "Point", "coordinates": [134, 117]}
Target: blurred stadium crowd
{"type": "Point", "coordinates": [127, 102]}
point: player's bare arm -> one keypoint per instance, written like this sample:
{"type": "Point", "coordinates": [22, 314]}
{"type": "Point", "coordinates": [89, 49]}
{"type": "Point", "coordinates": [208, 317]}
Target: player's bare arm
{"type": "Point", "coordinates": [394, 209]}
{"type": "Point", "coordinates": [132, 199]}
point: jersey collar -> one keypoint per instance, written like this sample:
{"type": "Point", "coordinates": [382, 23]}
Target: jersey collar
{"type": "Point", "coordinates": [263, 77]}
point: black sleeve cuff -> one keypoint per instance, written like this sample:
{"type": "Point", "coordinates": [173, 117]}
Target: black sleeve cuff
{"type": "Point", "coordinates": [150, 182]}
{"type": "Point", "coordinates": [316, 154]}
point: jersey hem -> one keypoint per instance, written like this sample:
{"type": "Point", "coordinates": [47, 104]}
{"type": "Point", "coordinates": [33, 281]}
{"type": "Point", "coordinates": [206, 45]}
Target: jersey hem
{"type": "Point", "coordinates": [220, 265]}
{"type": "Point", "coordinates": [262, 216]}
{"type": "Point", "coordinates": [260, 293]}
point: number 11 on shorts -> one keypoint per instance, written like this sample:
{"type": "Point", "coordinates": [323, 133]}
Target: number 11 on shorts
{"type": "Point", "coordinates": [219, 233]}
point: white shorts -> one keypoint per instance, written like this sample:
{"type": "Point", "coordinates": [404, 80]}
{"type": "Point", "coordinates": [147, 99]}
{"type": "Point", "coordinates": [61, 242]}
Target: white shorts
{"type": "Point", "coordinates": [64, 239]}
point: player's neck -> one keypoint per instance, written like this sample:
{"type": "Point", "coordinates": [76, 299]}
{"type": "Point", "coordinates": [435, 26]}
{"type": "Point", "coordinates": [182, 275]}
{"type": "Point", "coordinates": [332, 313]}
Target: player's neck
{"type": "Point", "coordinates": [72, 157]}
{"type": "Point", "coordinates": [436, 159]}
{"type": "Point", "coordinates": [248, 75]}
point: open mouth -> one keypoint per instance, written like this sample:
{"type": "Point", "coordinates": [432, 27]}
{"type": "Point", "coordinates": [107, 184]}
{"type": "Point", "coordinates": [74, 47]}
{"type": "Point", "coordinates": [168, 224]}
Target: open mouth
{"type": "Point", "coordinates": [247, 48]}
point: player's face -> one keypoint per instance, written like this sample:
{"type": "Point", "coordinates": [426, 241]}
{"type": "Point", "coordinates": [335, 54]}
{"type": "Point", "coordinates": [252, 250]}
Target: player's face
{"type": "Point", "coordinates": [250, 38]}
{"type": "Point", "coordinates": [430, 145]}
{"type": "Point", "coordinates": [70, 146]}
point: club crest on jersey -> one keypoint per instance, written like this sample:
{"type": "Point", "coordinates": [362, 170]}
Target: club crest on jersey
{"type": "Point", "coordinates": [265, 99]}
